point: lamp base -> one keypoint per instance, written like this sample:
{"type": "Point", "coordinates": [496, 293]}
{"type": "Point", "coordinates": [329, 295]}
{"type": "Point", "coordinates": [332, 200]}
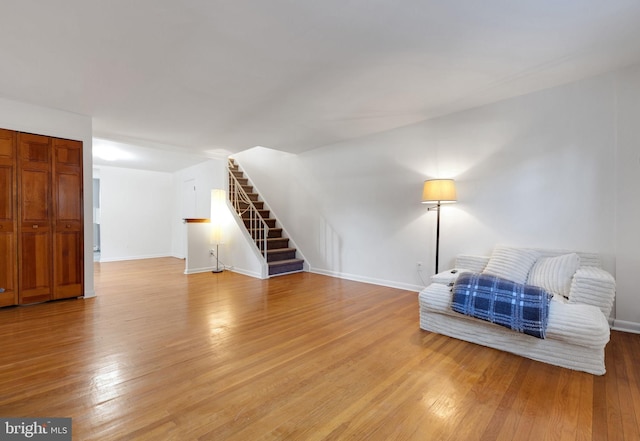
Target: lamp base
{"type": "Point", "coordinates": [218, 269]}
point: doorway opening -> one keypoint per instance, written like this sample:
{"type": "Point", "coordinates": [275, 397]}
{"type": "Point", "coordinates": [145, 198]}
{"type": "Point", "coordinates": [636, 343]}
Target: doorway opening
{"type": "Point", "coordinates": [96, 220]}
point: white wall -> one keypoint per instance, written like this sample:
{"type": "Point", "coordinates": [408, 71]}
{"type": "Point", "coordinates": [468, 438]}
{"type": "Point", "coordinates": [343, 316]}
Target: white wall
{"type": "Point", "coordinates": [628, 200]}
{"type": "Point", "coordinates": [135, 212]}
{"type": "Point", "coordinates": [537, 170]}
{"type": "Point", "coordinates": [198, 248]}
{"type": "Point", "coordinates": [51, 122]}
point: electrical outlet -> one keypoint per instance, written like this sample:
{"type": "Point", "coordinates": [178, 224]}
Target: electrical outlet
{"type": "Point", "coordinates": [211, 253]}
{"type": "Point", "coordinates": [419, 266]}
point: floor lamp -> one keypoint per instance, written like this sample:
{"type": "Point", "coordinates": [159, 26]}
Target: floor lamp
{"type": "Point", "coordinates": [218, 205]}
{"type": "Point", "coordinates": [438, 191]}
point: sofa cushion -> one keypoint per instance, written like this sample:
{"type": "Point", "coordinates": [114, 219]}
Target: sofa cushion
{"type": "Point", "coordinates": [511, 263]}
{"type": "Point", "coordinates": [554, 274]}
{"type": "Point", "coordinates": [471, 262]}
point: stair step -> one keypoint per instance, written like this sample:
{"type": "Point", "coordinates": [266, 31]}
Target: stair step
{"type": "Point", "coordinates": [258, 204]}
{"type": "Point", "coordinates": [272, 234]}
{"type": "Point", "coordinates": [271, 223]}
{"type": "Point", "coordinates": [280, 254]}
{"type": "Point", "coordinates": [286, 266]}
{"type": "Point", "coordinates": [258, 235]}
{"type": "Point", "coordinates": [277, 243]}
{"type": "Point", "coordinates": [264, 214]}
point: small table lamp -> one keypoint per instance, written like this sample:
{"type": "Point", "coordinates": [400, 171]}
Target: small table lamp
{"type": "Point", "coordinates": [438, 191]}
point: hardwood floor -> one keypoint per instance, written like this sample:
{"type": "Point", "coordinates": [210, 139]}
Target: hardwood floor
{"type": "Point", "coordinates": [159, 355]}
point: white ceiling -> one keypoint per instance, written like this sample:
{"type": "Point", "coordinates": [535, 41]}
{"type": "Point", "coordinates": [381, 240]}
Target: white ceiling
{"type": "Point", "coordinates": [212, 77]}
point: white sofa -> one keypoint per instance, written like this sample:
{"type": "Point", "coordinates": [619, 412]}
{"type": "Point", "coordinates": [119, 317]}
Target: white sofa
{"type": "Point", "coordinates": [578, 327]}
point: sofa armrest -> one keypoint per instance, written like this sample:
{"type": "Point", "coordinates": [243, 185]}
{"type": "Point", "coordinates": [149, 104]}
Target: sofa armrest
{"type": "Point", "coordinates": [474, 264]}
{"type": "Point", "coordinates": [448, 277]}
{"type": "Point", "coordinates": [593, 286]}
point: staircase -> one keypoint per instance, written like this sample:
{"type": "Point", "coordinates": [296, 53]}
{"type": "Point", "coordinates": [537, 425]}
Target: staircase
{"type": "Point", "coordinates": [268, 237]}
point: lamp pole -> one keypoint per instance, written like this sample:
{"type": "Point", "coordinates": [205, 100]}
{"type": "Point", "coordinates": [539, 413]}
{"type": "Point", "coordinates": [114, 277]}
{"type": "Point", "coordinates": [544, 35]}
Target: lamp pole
{"type": "Point", "coordinates": [437, 235]}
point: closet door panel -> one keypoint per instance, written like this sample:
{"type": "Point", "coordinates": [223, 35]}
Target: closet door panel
{"type": "Point", "coordinates": [35, 218]}
{"type": "Point", "coordinates": [8, 219]}
{"type": "Point", "coordinates": [35, 197]}
{"type": "Point", "coordinates": [68, 244]}
{"type": "Point", "coordinates": [35, 267]}
{"type": "Point", "coordinates": [8, 250]}
{"type": "Point", "coordinates": [69, 268]}
{"type": "Point", "coordinates": [8, 273]}
{"type": "Point", "coordinates": [7, 193]}
{"type": "Point", "coordinates": [68, 197]}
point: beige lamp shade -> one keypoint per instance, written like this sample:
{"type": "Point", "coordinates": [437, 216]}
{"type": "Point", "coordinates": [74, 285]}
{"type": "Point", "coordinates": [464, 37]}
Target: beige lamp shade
{"type": "Point", "coordinates": [439, 190]}
{"type": "Point", "coordinates": [218, 205]}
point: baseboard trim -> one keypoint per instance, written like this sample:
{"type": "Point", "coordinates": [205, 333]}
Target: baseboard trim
{"type": "Point", "coordinates": [89, 294]}
{"type": "Point", "coordinates": [120, 259]}
{"type": "Point", "coordinates": [232, 269]}
{"type": "Point", "coordinates": [371, 280]}
{"type": "Point", "coordinates": [199, 270]}
{"type": "Point", "coordinates": [624, 326]}
{"type": "Point", "coordinates": [246, 272]}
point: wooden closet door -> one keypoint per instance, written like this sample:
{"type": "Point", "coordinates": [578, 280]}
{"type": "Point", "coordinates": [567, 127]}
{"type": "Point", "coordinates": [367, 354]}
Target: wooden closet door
{"type": "Point", "coordinates": [35, 225]}
{"type": "Point", "coordinates": [8, 219]}
{"type": "Point", "coordinates": [68, 219]}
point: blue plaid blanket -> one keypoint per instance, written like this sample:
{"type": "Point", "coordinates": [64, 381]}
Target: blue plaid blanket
{"type": "Point", "coordinates": [523, 308]}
